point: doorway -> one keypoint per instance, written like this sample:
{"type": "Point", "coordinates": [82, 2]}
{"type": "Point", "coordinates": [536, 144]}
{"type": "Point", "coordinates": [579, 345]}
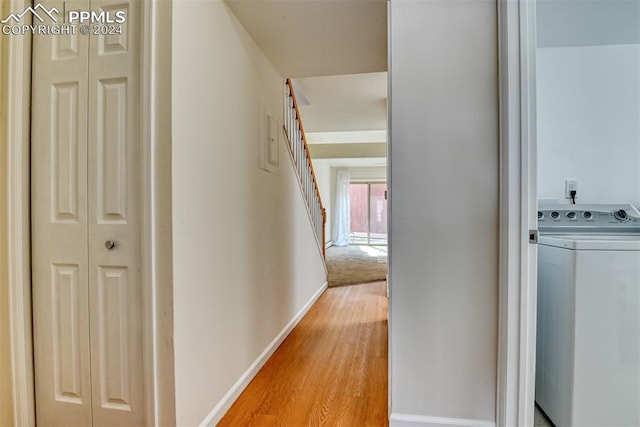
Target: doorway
{"type": "Point", "coordinates": [365, 258]}
{"type": "Point", "coordinates": [588, 161]}
{"type": "Point", "coordinates": [534, 172]}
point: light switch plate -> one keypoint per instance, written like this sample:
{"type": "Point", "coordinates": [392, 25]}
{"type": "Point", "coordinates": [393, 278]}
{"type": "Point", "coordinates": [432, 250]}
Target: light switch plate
{"type": "Point", "coordinates": [269, 142]}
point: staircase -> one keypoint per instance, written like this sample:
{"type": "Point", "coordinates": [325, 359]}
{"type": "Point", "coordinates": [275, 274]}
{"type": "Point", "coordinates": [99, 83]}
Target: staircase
{"type": "Point", "coordinates": [299, 150]}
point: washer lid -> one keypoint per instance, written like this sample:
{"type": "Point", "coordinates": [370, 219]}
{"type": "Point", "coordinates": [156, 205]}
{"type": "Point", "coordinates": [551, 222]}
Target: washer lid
{"type": "Point", "coordinates": [593, 242]}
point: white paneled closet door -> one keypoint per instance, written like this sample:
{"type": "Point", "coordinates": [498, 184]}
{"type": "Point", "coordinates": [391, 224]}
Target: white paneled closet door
{"type": "Point", "coordinates": [86, 224]}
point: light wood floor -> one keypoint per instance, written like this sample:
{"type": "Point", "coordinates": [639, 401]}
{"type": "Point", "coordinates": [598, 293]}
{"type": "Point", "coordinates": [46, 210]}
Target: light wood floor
{"type": "Point", "coordinates": [331, 370]}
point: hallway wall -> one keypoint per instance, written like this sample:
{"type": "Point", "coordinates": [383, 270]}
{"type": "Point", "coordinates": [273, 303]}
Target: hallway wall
{"type": "Point", "coordinates": [444, 200]}
{"type": "Point", "coordinates": [245, 257]}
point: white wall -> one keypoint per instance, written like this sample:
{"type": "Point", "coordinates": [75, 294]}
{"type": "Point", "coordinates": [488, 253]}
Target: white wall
{"type": "Point", "coordinates": [562, 23]}
{"type": "Point", "coordinates": [444, 201]}
{"type": "Point", "coordinates": [589, 122]}
{"type": "Point", "coordinates": [348, 150]}
{"type": "Point", "coordinates": [245, 258]}
{"type": "Point", "coordinates": [588, 80]}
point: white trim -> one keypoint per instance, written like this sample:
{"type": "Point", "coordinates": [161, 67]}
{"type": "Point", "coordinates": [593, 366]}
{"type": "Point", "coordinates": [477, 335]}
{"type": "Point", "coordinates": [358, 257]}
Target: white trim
{"type": "Point", "coordinates": [227, 400]}
{"type": "Point", "coordinates": [389, 221]}
{"type": "Point", "coordinates": [18, 223]}
{"type": "Point", "coordinates": [517, 294]}
{"type": "Point", "coordinates": [509, 247]}
{"type": "Point", "coordinates": [328, 244]}
{"type": "Point", "coordinates": [410, 420]}
{"type": "Point", "coordinates": [146, 233]}
{"type": "Point", "coordinates": [528, 211]}
{"type": "Point", "coordinates": [156, 233]}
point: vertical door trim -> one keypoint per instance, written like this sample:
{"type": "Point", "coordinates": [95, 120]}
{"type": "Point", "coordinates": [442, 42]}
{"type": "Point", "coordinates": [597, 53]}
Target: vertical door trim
{"type": "Point", "coordinates": [156, 233]}
{"type": "Point", "coordinates": [518, 198]}
{"type": "Point", "coordinates": [390, 317]}
{"type": "Point", "coordinates": [156, 217]}
{"type": "Point", "coordinates": [18, 222]}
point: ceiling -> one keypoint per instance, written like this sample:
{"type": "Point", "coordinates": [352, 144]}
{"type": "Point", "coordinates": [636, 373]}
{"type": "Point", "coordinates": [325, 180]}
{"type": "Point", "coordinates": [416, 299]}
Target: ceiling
{"type": "Point", "coordinates": [304, 38]}
{"type": "Point", "coordinates": [336, 52]}
{"type": "Point", "coordinates": [353, 102]}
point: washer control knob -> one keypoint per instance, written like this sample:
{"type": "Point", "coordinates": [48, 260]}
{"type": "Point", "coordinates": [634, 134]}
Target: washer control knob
{"type": "Point", "coordinates": [540, 215]}
{"type": "Point", "coordinates": [587, 215]}
{"type": "Point", "coordinates": [555, 215]}
{"type": "Point", "coordinates": [621, 215]}
{"type": "Point", "coordinates": [571, 215]}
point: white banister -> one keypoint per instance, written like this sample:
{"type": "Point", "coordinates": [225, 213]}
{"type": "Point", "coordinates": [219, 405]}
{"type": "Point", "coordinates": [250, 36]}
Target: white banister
{"type": "Point", "coordinates": [297, 143]}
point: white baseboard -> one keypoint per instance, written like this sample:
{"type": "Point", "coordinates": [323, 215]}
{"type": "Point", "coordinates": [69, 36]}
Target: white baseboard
{"type": "Point", "coordinates": [409, 420]}
{"type": "Point", "coordinates": [225, 403]}
{"type": "Point", "coordinates": [328, 244]}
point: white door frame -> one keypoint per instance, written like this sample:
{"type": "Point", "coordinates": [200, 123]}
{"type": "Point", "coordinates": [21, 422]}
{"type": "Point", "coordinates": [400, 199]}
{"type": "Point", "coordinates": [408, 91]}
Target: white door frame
{"type": "Point", "coordinates": [156, 216]}
{"type": "Point", "coordinates": [518, 205]}
{"type": "Point", "coordinates": [18, 222]}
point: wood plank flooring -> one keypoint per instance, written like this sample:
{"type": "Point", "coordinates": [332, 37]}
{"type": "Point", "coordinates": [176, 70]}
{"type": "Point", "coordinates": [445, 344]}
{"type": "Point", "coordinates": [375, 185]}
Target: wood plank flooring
{"type": "Point", "coordinates": [330, 371]}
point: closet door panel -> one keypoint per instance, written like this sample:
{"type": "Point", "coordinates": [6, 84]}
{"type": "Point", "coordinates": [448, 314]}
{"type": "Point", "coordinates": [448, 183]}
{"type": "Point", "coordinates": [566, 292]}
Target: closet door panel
{"type": "Point", "coordinates": [114, 220]}
{"type": "Point", "coordinates": [59, 226]}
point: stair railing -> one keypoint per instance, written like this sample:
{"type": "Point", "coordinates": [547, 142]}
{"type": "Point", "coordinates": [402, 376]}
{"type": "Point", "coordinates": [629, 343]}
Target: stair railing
{"type": "Point", "coordinates": [297, 143]}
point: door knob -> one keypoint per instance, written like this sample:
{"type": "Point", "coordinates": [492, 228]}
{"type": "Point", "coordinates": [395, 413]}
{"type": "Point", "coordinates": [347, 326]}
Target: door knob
{"type": "Point", "coordinates": [110, 244]}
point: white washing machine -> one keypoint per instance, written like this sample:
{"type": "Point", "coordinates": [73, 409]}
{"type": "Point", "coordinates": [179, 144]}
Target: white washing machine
{"type": "Point", "coordinates": [588, 324]}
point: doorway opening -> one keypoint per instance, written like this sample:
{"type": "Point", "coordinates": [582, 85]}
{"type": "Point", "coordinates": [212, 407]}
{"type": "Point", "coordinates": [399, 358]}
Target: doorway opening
{"type": "Point", "coordinates": [588, 189]}
{"type": "Point", "coordinates": [365, 258]}
{"type": "Point", "coordinates": [368, 213]}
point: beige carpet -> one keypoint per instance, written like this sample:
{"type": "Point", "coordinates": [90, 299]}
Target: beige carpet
{"type": "Point", "coordinates": [350, 265]}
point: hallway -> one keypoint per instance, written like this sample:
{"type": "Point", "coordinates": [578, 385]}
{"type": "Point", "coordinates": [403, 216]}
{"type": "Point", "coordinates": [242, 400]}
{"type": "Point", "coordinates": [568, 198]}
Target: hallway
{"type": "Point", "coordinates": [331, 369]}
